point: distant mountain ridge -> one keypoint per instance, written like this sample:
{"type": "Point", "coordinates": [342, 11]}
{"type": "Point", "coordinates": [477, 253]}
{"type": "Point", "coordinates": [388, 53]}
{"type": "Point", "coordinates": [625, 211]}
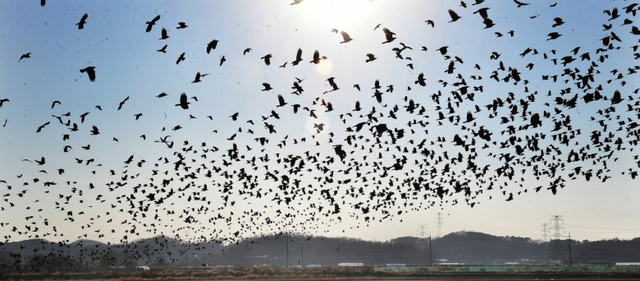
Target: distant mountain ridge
{"type": "Point", "coordinates": [298, 250]}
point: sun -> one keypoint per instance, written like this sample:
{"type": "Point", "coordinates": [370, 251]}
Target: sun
{"type": "Point", "coordinates": [325, 67]}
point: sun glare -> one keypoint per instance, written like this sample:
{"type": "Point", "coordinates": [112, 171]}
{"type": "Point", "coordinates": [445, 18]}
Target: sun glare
{"type": "Point", "coordinates": [325, 67]}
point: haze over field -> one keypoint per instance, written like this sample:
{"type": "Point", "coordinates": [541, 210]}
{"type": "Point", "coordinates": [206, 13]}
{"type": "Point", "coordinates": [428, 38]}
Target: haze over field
{"type": "Point", "coordinates": [217, 120]}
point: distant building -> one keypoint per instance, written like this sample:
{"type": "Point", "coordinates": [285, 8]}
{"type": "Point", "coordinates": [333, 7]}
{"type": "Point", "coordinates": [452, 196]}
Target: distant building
{"type": "Point", "coordinates": [351, 264]}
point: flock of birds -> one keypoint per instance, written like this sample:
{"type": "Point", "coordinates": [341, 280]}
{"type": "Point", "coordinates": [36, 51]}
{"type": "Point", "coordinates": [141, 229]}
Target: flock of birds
{"type": "Point", "coordinates": [375, 169]}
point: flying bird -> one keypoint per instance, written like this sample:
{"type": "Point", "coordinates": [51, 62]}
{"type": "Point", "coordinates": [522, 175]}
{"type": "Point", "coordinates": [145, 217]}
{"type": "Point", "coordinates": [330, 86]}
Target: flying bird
{"type": "Point", "coordinates": [94, 130]}
{"type": "Point", "coordinates": [431, 23]}
{"type": "Point", "coordinates": [267, 87]}
{"type": "Point", "coordinates": [42, 126]}
{"type": "Point", "coordinates": [90, 70]}
{"type": "Point", "coordinates": [317, 58]}
{"type": "Point", "coordinates": [183, 101]}
{"type": "Point", "coordinates": [370, 57]}
{"type": "Point", "coordinates": [345, 37]}
{"type": "Point", "coordinates": [333, 84]}
{"type": "Point", "coordinates": [180, 58]}
{"type": "Point", "coordinates": [25, 56]}
{"type": "Point", "coordinates": [520, 4]}
{"type": "Point", "coordinates": [267, 59]}
{"type": "Point", "coordinates": [151, 23]}
{"type": "Point", "coordinates": [212, 45]}
{"type": "Point", "coordinates": [557, 22]}
{"type": "Point", "coordinates": [389, 35]}
{"type": "Point", "coordinates": [82, 21]}
{"type": "Point", "coordinates": [298, 57]}
{"type": "Point", "coordinates": [197, 79]}
{"type": "Point", "coordinates": [122, 102]}
{"type": "Point", "coordinates": [163, 34]}
{"type": "Point", "coordinates": [163, 49]}
{"type": "Point", "coordinates": [454, 16]}
{"type": "Point", "coordinates": [181, 25]}
{"type": "Point", "coordinates": [281, 101]}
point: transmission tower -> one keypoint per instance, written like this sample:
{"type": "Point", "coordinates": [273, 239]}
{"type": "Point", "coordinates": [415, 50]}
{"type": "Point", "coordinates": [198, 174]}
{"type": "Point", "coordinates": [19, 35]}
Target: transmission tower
{"type": "Point", "coordinates": [439, 221]}
{"type": "Point", "coordinates": [556, 226]}
{"type": "Point", "coordinates": [557, 253]}
{"type": "Point", "coordinates": [545, 230]}
{"type": "Point", "coordinates": [422, 228]}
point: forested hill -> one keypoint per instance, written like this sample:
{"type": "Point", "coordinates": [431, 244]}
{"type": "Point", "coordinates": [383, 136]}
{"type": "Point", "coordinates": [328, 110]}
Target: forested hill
{"type": "Point", "coordinates": [280, 250]}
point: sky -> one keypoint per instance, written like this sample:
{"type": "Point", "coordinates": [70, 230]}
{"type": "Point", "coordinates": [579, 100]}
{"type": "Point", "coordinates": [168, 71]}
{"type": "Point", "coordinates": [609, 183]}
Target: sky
{"type": "Point", "coordinates": [463, 152]}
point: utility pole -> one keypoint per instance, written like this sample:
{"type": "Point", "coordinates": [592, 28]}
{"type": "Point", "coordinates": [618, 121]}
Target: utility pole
{"type": "Point", "coordinates": [545, 230]}
{"type": "Point", "coordinates": [430, 259]}
{"type": "Point", "coordinates": [439, 222]}
{"type": "Point", "coordinates": [570, 249]}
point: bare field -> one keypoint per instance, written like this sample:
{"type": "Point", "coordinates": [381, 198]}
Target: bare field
{"type": "Point", "coordinates": [333, 273]}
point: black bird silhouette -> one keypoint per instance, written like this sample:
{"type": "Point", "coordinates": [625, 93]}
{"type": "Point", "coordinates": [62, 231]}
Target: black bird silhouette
{"type": "Point", "coordinates": [25, 56]}
{"type": "Point", "coordinates": [42, 126]}
{"type": "Point", "coordinates": [431, 23]}
{"type": "Point", "coordinates": [2, 101]}
{"type": "Point", "coordinates": [54, 103]}
{"type": "Point", "coordinates": [553, 36]}
{"type": "Point", "coordinates": [298, 57]}
{"type": "Point", "coordinates": [317, 58]}
{"type": "Point", "coordinates": [333, 84]}
{"type": "Point", "coordinates": [212, 45]}
{"type": "Point", "coordinates": [197, 79]}
{"type": "Point", "coordinates": [267, 87]}
{"type": "Point", "coordinates": [163, 34]}
{"type": "Point", "coordinates": [234, 116]}
{"type": "Point", "coordinates": [181, 25]}
{"type": "Point", "coordinates": [151, 23]}
{"type": "Point", "coordinates": [122, 102]}
{"type": "Point", "coordinates": [82, 21]}
{"type": "Point", "coordinates": [267, 59]}
{"type": "Point", "coordinates": [557, 22]}
{"type": "Point", "coordinates": [183, 101]}
{"type": "Point", "coordinates": [41, 161]}
{"type": "Point", "coordinates": [246, 51]}
{"type": "Point", "coordinates": [94, 130]}
{"type": "Point", "coordinates": [180, 58]}
{"type": "Point", "coordinates": [520, 4]}
{"type": "Point", "coordinates": [90, 70]}
{"type": "Point", "coordinates": [483, 12]}
{"type": "Point", "coordinates": [345, 37]}
{"type": "Point", "coordinates": [163, 49]}
{"type": "Point", "coordinates": [388, 35]}
{"type": "Point", "coordinates": [421, 81]}
{"type": "Point", "coordinates": [370, 57]}
{"type": "Point", "coordinates": [453, 15]}
{"type": "Point", "coordinates": [281, 101]}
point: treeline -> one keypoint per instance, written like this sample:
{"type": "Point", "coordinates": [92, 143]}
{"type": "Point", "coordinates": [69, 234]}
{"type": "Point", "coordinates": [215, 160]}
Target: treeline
{"type": "Point", "coordinates": [297, 250]}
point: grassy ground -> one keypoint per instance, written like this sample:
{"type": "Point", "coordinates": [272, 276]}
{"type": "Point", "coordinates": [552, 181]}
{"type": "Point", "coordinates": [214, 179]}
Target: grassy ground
{"type": "Point", "coordinates": [343, 273]}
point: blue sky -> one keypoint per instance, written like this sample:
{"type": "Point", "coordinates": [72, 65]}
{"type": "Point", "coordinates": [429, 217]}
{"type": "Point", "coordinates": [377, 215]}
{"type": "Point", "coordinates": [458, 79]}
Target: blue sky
{"type": "Point", "coordinates": [127, 65]}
